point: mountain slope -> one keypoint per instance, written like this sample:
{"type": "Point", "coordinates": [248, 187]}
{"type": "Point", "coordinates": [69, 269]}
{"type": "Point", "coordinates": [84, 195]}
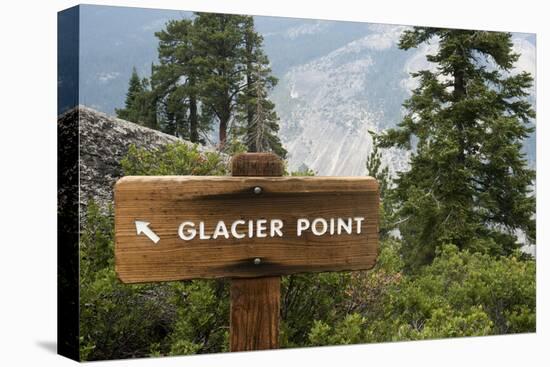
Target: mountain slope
{"type": "Point", "coordinates": [337, 80]}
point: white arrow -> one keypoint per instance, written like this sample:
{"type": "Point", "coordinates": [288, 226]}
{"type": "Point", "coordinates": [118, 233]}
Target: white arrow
{"type": "Point", "coordinates": [143, 227]}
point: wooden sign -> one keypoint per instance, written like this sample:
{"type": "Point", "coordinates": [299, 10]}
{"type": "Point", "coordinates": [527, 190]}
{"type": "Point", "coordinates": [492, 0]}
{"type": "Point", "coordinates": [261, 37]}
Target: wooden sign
{"type": "Point", "coordinates": [188, 227]}
{"type": "Point", "coordinates": [251, 227]}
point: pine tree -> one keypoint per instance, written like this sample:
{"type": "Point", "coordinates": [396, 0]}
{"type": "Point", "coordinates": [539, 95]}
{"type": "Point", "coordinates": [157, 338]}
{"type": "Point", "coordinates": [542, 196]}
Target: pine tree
{"type": "Point", "coordinates": [135, 88]}
{"type": "Point", "coordinates": [261, 131]}
{"type": "Point", "coordinates": [212, 69]}
{"type": "Point", "coordinates": [176, 81]}
{"type": "Point", "coordinates": [256, 111]}
{"type": "Point", "coordinates": [469, 182]}
{"type": "Point", "coordinates": [381, 172]}
{"type": "Point", "coordinates": [218, 41]}
{"type": "Point", "coordinates": [139, 104]}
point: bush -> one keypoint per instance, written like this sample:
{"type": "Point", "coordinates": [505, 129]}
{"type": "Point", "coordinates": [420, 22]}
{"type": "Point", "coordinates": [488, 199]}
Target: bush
{"type": "Point", "coordinates": [460, 293]}
{"type": "Point", "coordinates": [121, 320]}
{"type": "Point", "coordinates": [307, 298]}
{"type": "Point", "coordinates": [116, 320]}
{"type": "Point", "coordinates": [173, 159]}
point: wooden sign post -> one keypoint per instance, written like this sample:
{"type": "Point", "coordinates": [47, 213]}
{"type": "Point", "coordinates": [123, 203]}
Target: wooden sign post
{"type": "Point", "coordinates": [252, 227]}
{"type": "Point", "coordinates": [255, 302]}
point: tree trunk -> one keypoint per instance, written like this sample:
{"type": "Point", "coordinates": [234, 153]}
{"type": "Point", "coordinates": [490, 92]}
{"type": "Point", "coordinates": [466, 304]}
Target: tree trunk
{"type": "Point", "coordinates": [223, 131]}
{"type": "Point", "coordinates": [459, 93]}
{"type": "Point", "coordinates": [250, 141]}
{"type": "Point", "coordinates": [193, 120]}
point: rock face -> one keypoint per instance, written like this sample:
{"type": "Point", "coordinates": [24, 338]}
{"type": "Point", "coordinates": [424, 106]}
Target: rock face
{"type": "Point", "coordinates": [103, 141]}
{"type": "Point", "coordinates": [328, 105]}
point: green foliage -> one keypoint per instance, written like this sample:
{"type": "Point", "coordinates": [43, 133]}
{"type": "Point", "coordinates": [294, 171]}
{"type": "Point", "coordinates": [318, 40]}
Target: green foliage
{"type": "Point", "coordinates": [306, 298]}
{"type": "Point", "coordinates": [460, 294]}
{"type": "Point", "coordinates": [468, 183]}
{"type": "Point", "coordinates": [140, 102]}
{"type": "Point", "coordinates": [456, 270]}
{"type": "Point", "coordinates": [172, 159]}
{"type": "Point", "coordinates": [348, 331]}
{"type": "Point", "coordinates": [202, 323]}
{"type": "Point", "coordinates": [212, 69]}
{"type": "Point", "coordinates": [176, 82]}
{"type": "Point", "coordinates": [96, 241]}
{"type": "Point", "coordinates": [116, 320]}
{"type": "Point", "coordinates": [256, 114]}
{"type": "Point", "coordinates": [219, 41]}
{"type": "Point", "coordinates": [308, 172]}
{"type": "Point", "coordinates": [234, 146]}
{"type": "Point", "coordinates": [376, 169]}
{"type": "Point", "coordinates": [381, 173]}
{"type": "Point", "coordinates": [120, 320]}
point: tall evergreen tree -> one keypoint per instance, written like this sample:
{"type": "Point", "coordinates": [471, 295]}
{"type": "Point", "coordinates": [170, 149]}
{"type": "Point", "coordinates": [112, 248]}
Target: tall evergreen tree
{"type": "Point", "coordinates": [135, 87]}
{"type": "Point", "coordinates": [256, 112]}
{"type": "Point", "coordinates": [260, 132]}
{"type": "Point", "coordinates": [139, 106]}
{"type": "Point", "coordinates": [212, 70]}
{"type": "Point", "coordinates": [218, 41]}
{"type": "Point", "coordinates": [176, 80]}
{"type": "Point", "coordinates": [469, 183]}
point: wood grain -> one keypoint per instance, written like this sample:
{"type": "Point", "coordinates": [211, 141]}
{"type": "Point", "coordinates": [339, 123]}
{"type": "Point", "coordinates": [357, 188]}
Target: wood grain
{"type": "Point", "coordinates": [254, 320]}
{"type": "Point", "coordinates": [166, 201]}
{"type": "Point", "coordinates": [255, 302]}
{"type": "Point", "coordinates": [256, 164]}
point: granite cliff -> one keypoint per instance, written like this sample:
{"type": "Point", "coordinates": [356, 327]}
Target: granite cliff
{"type": "Point", "coordinates": [103, 141]}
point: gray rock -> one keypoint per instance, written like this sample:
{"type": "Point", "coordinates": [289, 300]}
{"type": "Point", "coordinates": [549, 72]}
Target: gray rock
{"type": "Point", "coordinates": [103, 141]}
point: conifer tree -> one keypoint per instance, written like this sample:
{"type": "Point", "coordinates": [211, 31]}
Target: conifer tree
{"type": "Point", "coordinates": [218, 41]}
{"type": "Point", "coordinates": [469, 183]}
{"type": "Point", "coordinates": [134, 89]}
{"type": "Point", "coordinates": [212, 71]}
{"type": "Point", "coordinates": [139, 104]}
{"type": "Point", "coordinates": [176, 81]}
{"type": "Point", "coordinates": [260, 132]}
{"type": "Point", "coordinates": [257, 115]}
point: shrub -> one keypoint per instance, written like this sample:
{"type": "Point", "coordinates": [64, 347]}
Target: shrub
{"type": "Point", "coordinates": [121, 320]}
{"type": "Point", "coordinates": [173, 159]}
{"type": "Point", "coordinates": [116, 320]}
{"type": "Point", "coordinates": [461, 293]}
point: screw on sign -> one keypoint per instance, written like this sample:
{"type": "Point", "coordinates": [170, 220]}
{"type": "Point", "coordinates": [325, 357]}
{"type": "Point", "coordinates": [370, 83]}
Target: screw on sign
{"type": "Point", "coordinates": [252, 227]}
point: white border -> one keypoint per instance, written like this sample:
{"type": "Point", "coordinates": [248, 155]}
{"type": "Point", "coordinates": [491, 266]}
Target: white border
{"type": "Point", "coordinates": [28, 195]}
